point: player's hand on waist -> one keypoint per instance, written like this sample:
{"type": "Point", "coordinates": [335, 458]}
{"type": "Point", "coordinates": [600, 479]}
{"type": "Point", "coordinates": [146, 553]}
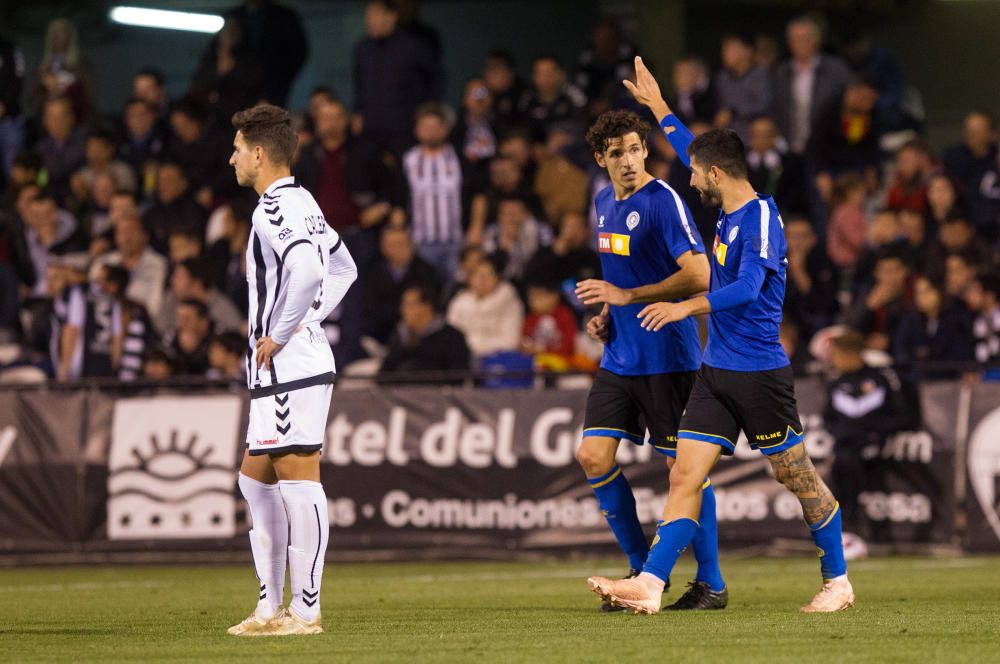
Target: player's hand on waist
{"type": "Point", "coordinates": [595, 291]}
{"type": "Point", "coordinates": [266, 349]}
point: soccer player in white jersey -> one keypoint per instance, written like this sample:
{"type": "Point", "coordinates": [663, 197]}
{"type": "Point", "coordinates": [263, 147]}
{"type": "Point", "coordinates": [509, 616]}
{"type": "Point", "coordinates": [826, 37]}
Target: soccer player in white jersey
{"type": "Point", "coordinates": [298, 270]}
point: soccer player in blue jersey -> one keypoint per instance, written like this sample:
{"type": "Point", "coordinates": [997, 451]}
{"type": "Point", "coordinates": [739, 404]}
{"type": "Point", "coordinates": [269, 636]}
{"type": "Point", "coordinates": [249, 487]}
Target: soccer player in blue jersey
{"type": "Point", "coordinates": [650, 251]}
{"type": "Point", "coordinates": [745, 381]}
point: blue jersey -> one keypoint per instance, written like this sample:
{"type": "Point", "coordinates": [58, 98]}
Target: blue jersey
{"type": "Point", "coordinates": [640, 240]}
{"type": "Point", "coordinates": [745, 338]}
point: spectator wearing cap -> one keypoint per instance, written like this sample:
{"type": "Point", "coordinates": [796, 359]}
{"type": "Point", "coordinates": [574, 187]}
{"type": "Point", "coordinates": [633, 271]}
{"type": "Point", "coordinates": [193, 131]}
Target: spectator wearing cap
{"type": "Point", "coordinates": [423, 342]}
{"type": "Point", "coordinates": [742, 90]}
{"type": "Point", "coordinates": [489, 313]}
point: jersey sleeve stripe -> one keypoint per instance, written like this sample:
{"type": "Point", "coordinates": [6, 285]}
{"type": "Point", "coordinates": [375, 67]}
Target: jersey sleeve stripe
{"type": "Point", "coordinates": [335, 247]}
{"type": "Point", "coordinates": [289, 247]}
{"type": "Point", "coordinates": [681, 212]}
{"type": "Point", "coordinates": [765, 223]}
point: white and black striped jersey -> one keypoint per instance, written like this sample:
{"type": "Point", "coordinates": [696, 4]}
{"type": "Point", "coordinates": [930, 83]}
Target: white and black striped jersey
{"type": "Point", "coordinates": [435, 183]}
{"type": "Point", "coordinates": [286, 217]}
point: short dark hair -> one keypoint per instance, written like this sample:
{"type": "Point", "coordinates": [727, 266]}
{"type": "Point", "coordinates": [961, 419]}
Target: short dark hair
{"type": "Point", "coordinates": [141, 102]}
{"type": "Point", "coordinates": [199, 307]}
{"type": "Point", "coordinates": [990, 282]}
{"type": "Point", "coordinates": [200, 270]}
{"type": "Point", "coordinates": [426, 292]}
{"type": "Point", "coordinates": [119, 276]}
{"type": "Point", "coordinates": [270, 127]}
{"type": "Point", "coordinates": [893, 252]}
{"type": "Point", "coordinates": [191, 107]}
{"type": "Point", "coordinates": [30, 160]}
{"type": "Point", "coordinates": [153, 73]}
{"type": "Point", "coordinates": [102, 135]}
{"type": "Point", "coordinates": [546, 56]}
{"type": "Point", "coordinates": [435, 109]}
{"type": "Point", "coordinates": [611, 125]}
{"type": "Point", "coordinates": [723, 149]}
{"type": "Point", "coordinates": [242, 209]}
{"type": "Point", "coordinates": [503, 56]}
{"type": "Point", "coordinates": [233, 343]}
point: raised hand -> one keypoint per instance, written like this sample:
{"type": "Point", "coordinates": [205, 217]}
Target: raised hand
{"type": "Point", "coordinates": [647, 91]}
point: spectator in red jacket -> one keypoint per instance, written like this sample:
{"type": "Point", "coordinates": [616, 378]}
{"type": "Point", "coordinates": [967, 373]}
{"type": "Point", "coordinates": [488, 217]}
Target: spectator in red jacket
{"type": "Point", "coordinates": [550, 328]}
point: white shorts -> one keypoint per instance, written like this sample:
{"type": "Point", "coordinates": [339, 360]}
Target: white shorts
{"type": "Point", "coordinates": [292, 421]}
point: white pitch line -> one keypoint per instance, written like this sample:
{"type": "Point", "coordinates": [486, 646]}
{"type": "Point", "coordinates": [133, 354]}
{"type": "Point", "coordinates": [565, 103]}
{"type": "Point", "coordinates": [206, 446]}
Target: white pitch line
{"type": "Point", "coordinates": [504, 576]}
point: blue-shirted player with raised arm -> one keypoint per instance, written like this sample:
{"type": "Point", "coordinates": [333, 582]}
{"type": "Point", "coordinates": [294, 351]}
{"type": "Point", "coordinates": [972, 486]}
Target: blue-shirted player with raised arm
{"type": "Point", "coordinates": [650, 251]}
{"type": "Point", "coordinates": [745, 381]}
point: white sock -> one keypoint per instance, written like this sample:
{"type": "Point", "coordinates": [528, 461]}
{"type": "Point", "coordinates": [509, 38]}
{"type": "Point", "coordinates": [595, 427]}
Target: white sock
{"type": "Point", "coordinates": [309, 524]}
{"type": "Point", "coordinates": [653, 582]}
{"type": "Point", "coordinates": [268, 541]}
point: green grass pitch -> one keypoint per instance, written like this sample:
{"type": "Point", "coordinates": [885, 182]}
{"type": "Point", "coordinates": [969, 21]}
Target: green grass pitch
{"type": "Point", "coordinates": [909, 610]}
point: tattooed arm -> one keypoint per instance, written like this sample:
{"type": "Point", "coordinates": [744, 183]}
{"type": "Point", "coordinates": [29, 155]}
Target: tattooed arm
{"type": "Point", "coordinates": [794, 469]}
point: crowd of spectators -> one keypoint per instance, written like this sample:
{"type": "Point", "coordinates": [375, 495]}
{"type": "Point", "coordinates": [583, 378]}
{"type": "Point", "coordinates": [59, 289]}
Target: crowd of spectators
{"type": "Point", "coordinates": [122, 238]}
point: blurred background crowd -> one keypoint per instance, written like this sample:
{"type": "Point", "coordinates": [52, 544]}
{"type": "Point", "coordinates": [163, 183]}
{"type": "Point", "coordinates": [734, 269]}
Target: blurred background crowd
{"type": "Point", "coordinates": [122, 237]}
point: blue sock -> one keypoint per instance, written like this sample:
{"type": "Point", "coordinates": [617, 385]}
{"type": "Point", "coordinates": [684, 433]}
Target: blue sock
{"type": "Point", "coordinates": [670, 541]}
{"type": "Point", "coordinates": [830, 546]}
{"type": "Point", "coordinates": [614, 496]}
{"type": "Point", "coordinates": [705, 544]}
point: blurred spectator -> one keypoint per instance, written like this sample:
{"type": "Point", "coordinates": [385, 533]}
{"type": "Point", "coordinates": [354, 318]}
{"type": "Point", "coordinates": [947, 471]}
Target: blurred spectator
{"type": "Point", "coordinates": [275, 33]}
{"type": "Point", "coordinates": [410, 21]}
{"type": "Point", "coordinates": [142, 143]}
{"type": "Point", "coordinates": [865, 406]}
{"type": "Point", "coordinates": [91, 338]}
{"type": "Point", "coordinates": [100, 160]}
{"type": "Point", "coordinates": [174, 206]}
{"type": "Point", "coordinates": [943, 203]}
{"type": "Point", "coordinates": [434, 177]}
{"type": "Point", "coordinates": [989, 204]}
{"type": "Point", "coordinates": [937, 330]}
{"type": "Point", "coordinates": [184, 243]}
{"type": "Point", "coordinates": [397, 268]}
{"type": "Point", "coordinates": [518, 145]}
{"type": "Point", "coordinates": [914, 164]}
{"type": "Point", "coordinates": [189, 343]}
{"type": "Point", "coordinates": [227, 356]}
{"type": "Point", "coordinates": [549, 332]}
{"type": "Point", "coordinates": [191, 280]}
{"type": "Point", "coordinates": [846, 139]}
{"type": "Point", "coordinates": [16, 254]}
{"type": "Point", "coordinates": [471, 254]}
{"type": "Point", "coordinates": [811, 286]}
{"type": "Point", "coordinates": [63, 72]}
{"type": "Point", "coordinates": [474, 135]}
{"type": "Point", "coordinates": [983, 299]}
{"type": "Point", "coordinates": [847, 229]}
{"type": "Point", "coordinates": [150, 86]}
{"type": "Point", "coordinates": [560, 182]}
{"type": "Point", "coordinates": [96, 209]}
{"type": "Point", "coordinates": [11, 122]}
{"type": "Point", "coordinates": [877, 311]}
{"type": "Point", "coordinates": [393, 73]}
{"type": "Point", "coordinates": [875, 63]}
{"type": "Point", "coordinates": [50, 231]}
{"type": "Point", "coordinates": [228, 253]}
{"type": "Point", "coordinates": [353, 187]}
{"type": "Point", "coordinates": [137, 332]}
{"type": "Point", "coordinates": [766, 52]}
{"type": "Point", "coordinates": [570, 257]}
{"type": "Point", "coordinates": [147, 269]}
{"type": "Point", "coordinates": [694, 99]}
{"type": "Point", "coordinates": [925, 254]}
{"type": "Point", "coordinates": [230, 76]}
{"type": "Point", "coordinates": [26, 169]}
{"type": "Point", "coordinates": [808, 85]}
{"type": "Point", "coordinates": [601, 66]}
{"type": "Point", "coordinates": [742, 91]}
{"type": "Point", "coordinates": [199, 149]}
{"type": "Point", "coordinates": [423, 341]}
{"type": "Point", "coordinates": [63, 147]}
{"type": "Point", "coordinates": [773, 171]}
{"type": "Point", "coordinates": [969, 161]}
{"type": "Point", "coordinates": [959, 274]}
{"type": "Point", "coordinates": [515, 236]}
{"type": "Point", "coordinates": [506, 179]}
{"type": "Point", "coordinates": [550, 99]}
{"type": "Point", "coordinates": [958, 236]}
{"type": "Point", "coordinates": [489, 313]}
{"type": "Point", "coordinates": [158, 365]}
{"type": "Point", "coordinates": [505, 86]}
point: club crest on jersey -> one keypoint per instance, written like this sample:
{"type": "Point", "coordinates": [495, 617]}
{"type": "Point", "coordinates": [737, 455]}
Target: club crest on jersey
{"type": "Point", "coordinates": [632, 220]}
{"type": "Point", "coordinates": [733, 233]}
{"type": "Point", "coordinates": [613, 243]}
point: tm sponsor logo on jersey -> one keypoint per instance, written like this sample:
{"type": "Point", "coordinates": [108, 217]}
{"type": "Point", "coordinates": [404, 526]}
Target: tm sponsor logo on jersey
{"type": "Point", "coordinates": [613, 243]}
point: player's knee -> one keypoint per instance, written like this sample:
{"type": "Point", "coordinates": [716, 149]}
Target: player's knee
{"type": "Point", "coordinates": [594, 460]}
{"type": "Point", "coordinates": [684, 479]}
